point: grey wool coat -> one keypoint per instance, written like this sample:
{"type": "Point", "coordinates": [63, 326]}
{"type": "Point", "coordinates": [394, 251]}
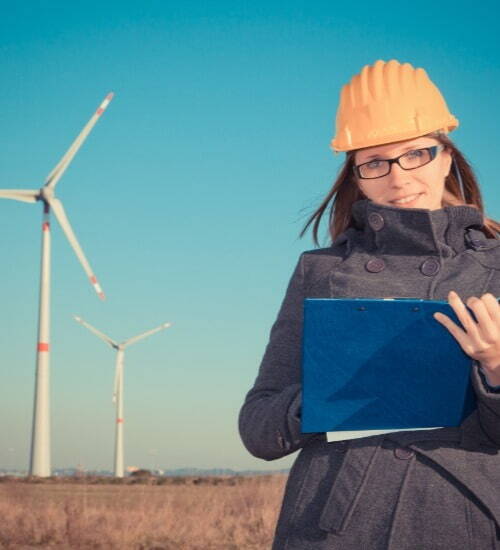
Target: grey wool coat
{"type": "Point", "coordinates": [411, 490]}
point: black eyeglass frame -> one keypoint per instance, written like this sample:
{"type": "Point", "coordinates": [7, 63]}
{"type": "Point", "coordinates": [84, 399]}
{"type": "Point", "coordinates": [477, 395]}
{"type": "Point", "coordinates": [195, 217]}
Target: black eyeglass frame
{"type": "Point", "coordinates": [433, 151]}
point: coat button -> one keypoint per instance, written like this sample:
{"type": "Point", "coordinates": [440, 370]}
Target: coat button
{"type": "Point", "coordinates": [375, 265]}
{"type": "Point", "coordinates": [375, 221]}
{"type": "Point", "coordinates": [430, 267]}
{"type": "Point", "coordinates": [403, 453]}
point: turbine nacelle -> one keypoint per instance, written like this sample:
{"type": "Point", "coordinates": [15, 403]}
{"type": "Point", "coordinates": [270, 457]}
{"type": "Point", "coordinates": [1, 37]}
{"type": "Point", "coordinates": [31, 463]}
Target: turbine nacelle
{"type": "Point", "coordinates": [46, 194]}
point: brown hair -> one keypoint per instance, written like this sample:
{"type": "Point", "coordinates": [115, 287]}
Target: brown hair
{"type": "Point", "coordinates": [345, 192]}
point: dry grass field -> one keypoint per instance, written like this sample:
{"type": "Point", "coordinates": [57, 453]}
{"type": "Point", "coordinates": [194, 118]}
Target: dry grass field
{"type": "Point", "coordinates": [226, 513]}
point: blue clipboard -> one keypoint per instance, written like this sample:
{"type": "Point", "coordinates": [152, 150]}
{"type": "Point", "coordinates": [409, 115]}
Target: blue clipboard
{"type": "Point", "coordinates": [381, 364]}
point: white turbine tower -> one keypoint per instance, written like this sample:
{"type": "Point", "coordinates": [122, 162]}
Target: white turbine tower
{"type": "Point", "coordinates": [118, 387]}
{"type": "Point", "coordinates": [40, 441]}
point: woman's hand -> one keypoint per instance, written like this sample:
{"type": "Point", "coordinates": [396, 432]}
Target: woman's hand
{"type": "Point", "coordinates": [480, 340]}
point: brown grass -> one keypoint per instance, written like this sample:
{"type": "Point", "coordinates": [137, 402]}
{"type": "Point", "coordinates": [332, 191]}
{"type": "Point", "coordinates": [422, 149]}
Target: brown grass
{"type": "Point", "coordinates": [237, 513]}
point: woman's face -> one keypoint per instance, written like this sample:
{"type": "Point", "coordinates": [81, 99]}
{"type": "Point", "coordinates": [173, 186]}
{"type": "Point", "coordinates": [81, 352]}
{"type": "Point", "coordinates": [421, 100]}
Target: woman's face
{"type": "Point", "coordinates": [420, 187]}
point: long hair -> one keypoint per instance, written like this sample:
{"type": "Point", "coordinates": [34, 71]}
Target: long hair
{"type": "Point", "coordinates": [345, 192]}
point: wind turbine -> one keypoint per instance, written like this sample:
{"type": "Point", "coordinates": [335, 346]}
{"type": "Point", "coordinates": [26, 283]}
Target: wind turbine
{"type": "Point", "coordinates": [118, 386]}
{"type": "Point", "coordinates": [40, 439]}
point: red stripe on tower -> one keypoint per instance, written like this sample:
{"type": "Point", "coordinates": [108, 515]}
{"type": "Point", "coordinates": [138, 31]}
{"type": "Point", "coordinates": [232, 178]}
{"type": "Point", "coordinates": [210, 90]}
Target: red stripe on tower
{"type": "Point", "coordinates": [43, 346]}
{"type": "Point", "coordinates": [45, 226]}
{"type": "Point", "coordinates": [119, 420]}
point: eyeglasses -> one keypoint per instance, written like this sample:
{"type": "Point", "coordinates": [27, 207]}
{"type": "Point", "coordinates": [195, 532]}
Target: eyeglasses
{"type": "Point", "coordinates": [410, 160]}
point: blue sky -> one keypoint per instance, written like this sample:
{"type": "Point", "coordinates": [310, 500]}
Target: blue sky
{"type": "Point", "coordinates": [188, 196]}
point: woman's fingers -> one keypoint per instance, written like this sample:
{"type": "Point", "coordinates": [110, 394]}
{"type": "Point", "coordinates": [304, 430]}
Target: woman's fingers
{"type": "Point", "coordinates": [454, 329]}
{"type": "Point", "coordinates": [488, 328]}
{"type": "Point", "coordinates": [480, 336]}
{"type": "Point", "coordinates": [463, 315]}
{"type": "Point", "coordinates": [493, 307]}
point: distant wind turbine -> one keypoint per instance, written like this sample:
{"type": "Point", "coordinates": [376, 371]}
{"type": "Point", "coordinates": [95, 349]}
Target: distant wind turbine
{"type": "Point", "coordinates": [40, 439]}
{"type": "Point", "coordinates": [118, 386]}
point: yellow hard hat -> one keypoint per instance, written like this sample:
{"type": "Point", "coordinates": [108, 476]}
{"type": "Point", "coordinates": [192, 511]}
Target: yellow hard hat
{"type": "Point", "coordinates": [389, 102]}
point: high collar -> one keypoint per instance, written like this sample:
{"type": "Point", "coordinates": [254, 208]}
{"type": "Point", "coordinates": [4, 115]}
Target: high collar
{"type": "Point", "coordinates": [392, 230]}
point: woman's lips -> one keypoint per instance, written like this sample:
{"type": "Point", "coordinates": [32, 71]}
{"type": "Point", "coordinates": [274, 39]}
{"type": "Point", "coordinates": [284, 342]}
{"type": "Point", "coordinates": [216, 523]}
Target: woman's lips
{"type": "Point", "coordinates": [406, 201]}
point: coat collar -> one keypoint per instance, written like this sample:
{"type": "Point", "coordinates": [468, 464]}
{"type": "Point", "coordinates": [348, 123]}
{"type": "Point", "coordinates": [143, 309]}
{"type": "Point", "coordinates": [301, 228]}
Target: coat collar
{"type": "Point", "coordinates": [392, 230]}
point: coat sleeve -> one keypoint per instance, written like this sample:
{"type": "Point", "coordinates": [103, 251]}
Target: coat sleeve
{"type": "Point", "coordinates": [269, 420]}
{"type": "Point", "coordinates": [488, 383]}
{"type": "Point", "coordinates": [488, 405]}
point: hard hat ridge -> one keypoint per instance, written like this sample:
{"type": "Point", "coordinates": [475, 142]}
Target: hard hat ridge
{"type": "Point", "coordinates": [388, 102]}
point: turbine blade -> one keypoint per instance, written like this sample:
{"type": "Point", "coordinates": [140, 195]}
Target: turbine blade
{"type": "Point", "coordinates": [61, 166]}
{"type": "Point", "coordinates": [98, 333]}
{"type": "Point", "coordinates": [60, 214]}
{"type": "Point", "coordinates": [135, 339]}
{"type": "Point", "coordinates": [25, 195]}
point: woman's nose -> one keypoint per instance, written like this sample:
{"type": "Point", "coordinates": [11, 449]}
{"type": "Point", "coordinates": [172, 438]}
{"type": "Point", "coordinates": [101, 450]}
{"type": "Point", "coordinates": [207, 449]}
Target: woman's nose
{"type": "Point", "coordinates": [397, 177]}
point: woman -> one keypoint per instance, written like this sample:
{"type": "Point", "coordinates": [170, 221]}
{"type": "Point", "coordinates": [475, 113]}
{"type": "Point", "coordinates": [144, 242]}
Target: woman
{"type": "Point", "coordinates": [406, 220]}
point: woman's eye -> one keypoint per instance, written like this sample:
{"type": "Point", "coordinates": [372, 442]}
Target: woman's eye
{"type": "Point", "coordinates": [373, 164]}
{"type": "Point", "coordinates": [416, 153]}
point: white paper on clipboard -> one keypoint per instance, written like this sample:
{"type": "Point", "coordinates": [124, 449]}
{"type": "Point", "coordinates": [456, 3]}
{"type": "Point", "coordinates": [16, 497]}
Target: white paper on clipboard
{"type": "Point", "coordinates": [342, 436]}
